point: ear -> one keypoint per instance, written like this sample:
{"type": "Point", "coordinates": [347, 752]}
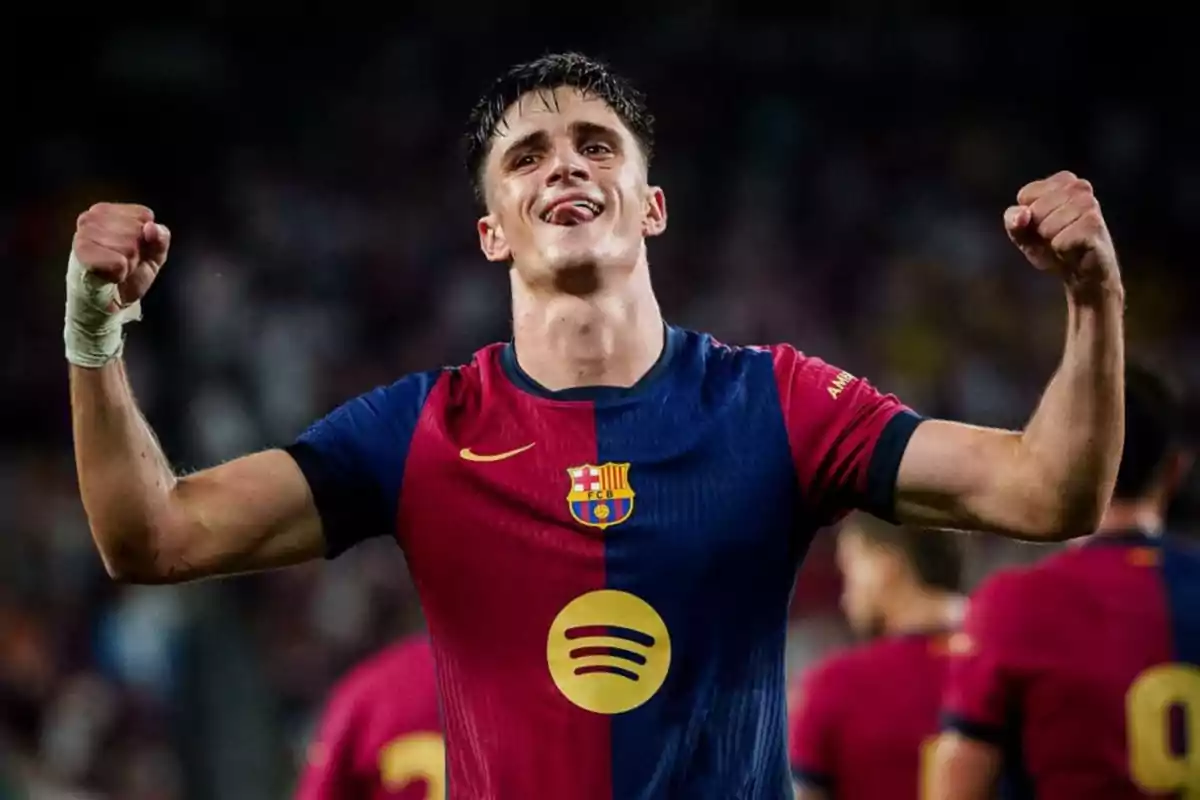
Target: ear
{"type": "Point", "coordinates": [654, 220]}
{"type": "Point", "coordinates": [491, 239]}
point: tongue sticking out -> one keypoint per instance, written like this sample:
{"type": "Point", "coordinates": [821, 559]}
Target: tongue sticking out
{"type": "Point", "coordinates": [570, 214]}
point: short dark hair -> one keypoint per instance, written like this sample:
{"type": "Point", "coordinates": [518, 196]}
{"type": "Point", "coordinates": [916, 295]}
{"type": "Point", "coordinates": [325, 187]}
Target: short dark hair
{"type": "Point", "coordinates": [546, 74]}
{"type": "Point", "coordinates": [934, 555]}
{"type": "Point", "coordinates": [1154, 430]}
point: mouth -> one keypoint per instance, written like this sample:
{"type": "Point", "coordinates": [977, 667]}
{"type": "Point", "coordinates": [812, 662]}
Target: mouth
{"type": "Point", "coordinates": [571, 211]}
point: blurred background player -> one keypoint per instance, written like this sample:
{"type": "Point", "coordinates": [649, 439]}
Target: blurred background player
{"type": "Point", "coordinates": [380, 737]}
{"type": "Point", "coordinates": [861, 720]}
{"type": "Point", "coordinates": [1080, 676]}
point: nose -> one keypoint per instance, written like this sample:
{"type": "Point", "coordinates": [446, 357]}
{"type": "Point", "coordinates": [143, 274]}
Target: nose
{"type": "Point", "coordinates": [567, 166]}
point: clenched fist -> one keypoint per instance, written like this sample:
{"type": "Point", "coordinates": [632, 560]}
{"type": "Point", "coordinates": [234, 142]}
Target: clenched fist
{"type": "Point", "coordinates": [116, 254]}
{"type": "Point", "coordinates": [1057, 224]}
{"type": "Point", "coordinates": [121, 244]}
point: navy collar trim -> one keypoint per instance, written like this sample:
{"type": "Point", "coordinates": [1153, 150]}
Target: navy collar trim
{"type": "Point", "coordinates": [673, 342]}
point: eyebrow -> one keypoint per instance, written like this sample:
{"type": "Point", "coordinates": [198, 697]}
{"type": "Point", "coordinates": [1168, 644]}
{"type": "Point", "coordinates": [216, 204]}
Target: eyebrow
{"type": "Point", "coordinates": [527, 142]}
{"type": "Point", "coordinates": [538, 138]}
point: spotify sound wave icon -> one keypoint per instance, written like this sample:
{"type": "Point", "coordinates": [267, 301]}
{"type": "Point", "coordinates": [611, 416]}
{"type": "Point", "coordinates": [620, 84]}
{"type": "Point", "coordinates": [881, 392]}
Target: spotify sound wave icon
{"type": "Point", "coordinates": [614, 660]}
{"type": "Point", "coordinates": [608, 651]}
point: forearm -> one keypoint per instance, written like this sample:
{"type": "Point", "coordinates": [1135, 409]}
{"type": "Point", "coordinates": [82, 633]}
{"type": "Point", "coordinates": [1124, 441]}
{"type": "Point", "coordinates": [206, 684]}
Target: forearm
{"type": "Point", "coordinates": [1071, 448]}
{"type": "Point", "coordinates": [124, 477]}
{"type": "Point", "coordinates": [252, 513]}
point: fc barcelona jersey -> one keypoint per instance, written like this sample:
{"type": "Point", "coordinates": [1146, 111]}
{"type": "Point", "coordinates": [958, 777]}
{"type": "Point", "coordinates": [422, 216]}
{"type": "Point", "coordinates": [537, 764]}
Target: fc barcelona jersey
{"type": "Point", "coordinates": [605, 572]}
{"type": "Point", "coordinates": [1084, 670]}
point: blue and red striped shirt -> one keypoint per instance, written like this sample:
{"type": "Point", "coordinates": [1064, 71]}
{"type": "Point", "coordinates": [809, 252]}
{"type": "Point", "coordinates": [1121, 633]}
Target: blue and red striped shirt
{"type": "Point", "coordinates": [605, 572]}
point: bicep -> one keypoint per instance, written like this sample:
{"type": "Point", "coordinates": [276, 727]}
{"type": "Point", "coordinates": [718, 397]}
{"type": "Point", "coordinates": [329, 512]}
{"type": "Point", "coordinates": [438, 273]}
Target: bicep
{"type": "Point", "coordinates": [954, 475]}
{"type": "Point", "coordinates": [253, 513]}
{"type": "Point", "coordinates": [964, 769]}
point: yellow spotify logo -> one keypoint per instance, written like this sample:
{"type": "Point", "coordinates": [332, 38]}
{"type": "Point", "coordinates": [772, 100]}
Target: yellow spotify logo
{"type": "Point", "coordinates": [608, 651]}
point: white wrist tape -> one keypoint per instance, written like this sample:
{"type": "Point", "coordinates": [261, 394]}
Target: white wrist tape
{"type": "Point", "coordinates": [92, 332]}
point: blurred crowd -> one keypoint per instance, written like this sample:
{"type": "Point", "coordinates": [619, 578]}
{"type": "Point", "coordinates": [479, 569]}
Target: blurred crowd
{"type": "Point", "coordinates": [837, 188]}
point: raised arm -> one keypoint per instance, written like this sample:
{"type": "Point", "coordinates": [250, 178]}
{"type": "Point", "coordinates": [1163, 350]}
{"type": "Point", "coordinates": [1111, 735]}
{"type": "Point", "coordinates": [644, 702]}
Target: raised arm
{"type": "Point", "coordinates": [1053, 480]}
{"type": "Point", "coordinates": [149, 525]}
{"type": "Point", "coordinates": [152, 527]}
{"type": "Point", "coordinates": [854, 447]}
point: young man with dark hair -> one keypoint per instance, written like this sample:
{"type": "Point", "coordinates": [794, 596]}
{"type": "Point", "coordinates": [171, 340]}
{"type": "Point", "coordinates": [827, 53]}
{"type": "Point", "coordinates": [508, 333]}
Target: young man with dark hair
{"type": "Point", "coordinates": [604, 516]}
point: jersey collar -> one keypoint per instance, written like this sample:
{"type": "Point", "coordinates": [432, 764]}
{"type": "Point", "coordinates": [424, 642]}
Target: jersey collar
{"type": "Point", "coordinates": [521, 379]}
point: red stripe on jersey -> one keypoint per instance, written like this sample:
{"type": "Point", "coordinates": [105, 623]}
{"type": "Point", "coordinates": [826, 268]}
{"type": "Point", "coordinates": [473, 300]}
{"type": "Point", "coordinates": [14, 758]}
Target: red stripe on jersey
{"type": "Point", "coordinates": [472, 533]}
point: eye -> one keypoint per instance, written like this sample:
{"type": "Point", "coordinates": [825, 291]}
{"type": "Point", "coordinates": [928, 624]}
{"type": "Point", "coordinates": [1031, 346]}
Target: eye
{"type": "Point", "coordinates": [596, 149]}
{"type": "Point", "coordinates": [526, 160]}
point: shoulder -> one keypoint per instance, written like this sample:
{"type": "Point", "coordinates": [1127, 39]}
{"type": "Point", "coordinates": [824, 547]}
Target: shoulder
{"type": "Point", "coordinates": [786, 365]}
{"type": "Point", "coordinates": [454, 384]}
{"type": "Point", "coordinates": [1000, 591]}
{"type": "Point", "coordinates": [780, 355]}
{"type": "Point", "coordinates": [1032, 584]}
{"type": "Point", "coordinates": [1011, 606]}
{"type": "Point", "coordinates": [832, 679]}
{"type": "Point", "coordinates": [795, 366]}
{"type": "Point", "coordinates": [378, 674]}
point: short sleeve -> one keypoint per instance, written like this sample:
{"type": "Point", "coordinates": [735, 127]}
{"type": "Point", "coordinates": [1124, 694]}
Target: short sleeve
{"type": "Point", "coordinates": [329, 770]}
{"type": "Point", "coordinates": [846, 437]}
{"type": "Point", "coordinates": [980, 680]}
{"type": "Point", "coordinates": [354, 459]}
{"type": "Point", "coordinates": [812, 713]}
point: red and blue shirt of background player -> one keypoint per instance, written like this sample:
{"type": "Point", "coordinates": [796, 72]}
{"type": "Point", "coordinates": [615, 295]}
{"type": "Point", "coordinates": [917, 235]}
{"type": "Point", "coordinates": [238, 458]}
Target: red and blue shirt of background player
{"type": "Point", "coordinates": [864, 721]}
{"type": "Point", "coordinates": [380, 736]}
{"type": "Point", "coordinates": [1084, 671]}
{"type": "Point", "coordinates": [605, 572]}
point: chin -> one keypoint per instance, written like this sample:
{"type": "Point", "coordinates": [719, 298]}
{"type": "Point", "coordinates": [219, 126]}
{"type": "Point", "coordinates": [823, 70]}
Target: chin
{"type": "Point", "coordinates": [601, 250]}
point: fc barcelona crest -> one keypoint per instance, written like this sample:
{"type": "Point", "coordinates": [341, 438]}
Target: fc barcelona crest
{"type": "Point", "coordinates": [600, 496]}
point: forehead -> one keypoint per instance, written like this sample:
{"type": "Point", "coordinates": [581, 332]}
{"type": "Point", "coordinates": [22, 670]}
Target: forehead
{"type": "Point", "coordinates": [554, 112]}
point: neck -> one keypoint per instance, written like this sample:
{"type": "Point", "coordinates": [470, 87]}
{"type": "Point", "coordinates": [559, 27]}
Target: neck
{"type": "Point", "coordinates": [608, 336]}
{"type": "Point", "coordinates": [1123, 516]}
{"type": "Point", "coordinates": [922, 609]}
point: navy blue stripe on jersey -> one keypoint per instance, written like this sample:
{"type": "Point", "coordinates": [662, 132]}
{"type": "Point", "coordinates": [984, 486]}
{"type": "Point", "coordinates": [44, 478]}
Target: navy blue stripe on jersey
{"type": "Point", "coordinates": [353, 460]}
{"type": "Point", "coordinates": [716, 506]}
{"type": "Point", "coordinates": [880, 496]}
{"type": "Point", "coordinates": [988, 734]}
{"type": "Point", "coordinates": [1015, 781]}
{"type": "Point", "coordinates": [1181, 579]}
{"type": "Point", "coordinates": [812, 780]}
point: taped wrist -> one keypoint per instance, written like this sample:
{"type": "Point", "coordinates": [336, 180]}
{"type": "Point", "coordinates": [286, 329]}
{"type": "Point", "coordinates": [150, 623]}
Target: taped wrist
{"type": "Point", "coordinates": [92, 332]}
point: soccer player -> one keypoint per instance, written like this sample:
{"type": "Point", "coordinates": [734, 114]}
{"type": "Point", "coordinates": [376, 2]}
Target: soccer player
{"type": "Point", "coordinates": [863, 721]}
{"type": "Point", "coordinates": [1081, 675]}
{"type": "Point", "coordinates": [380, 737]}
{"type": "Point", "coordinates": [603, 517]}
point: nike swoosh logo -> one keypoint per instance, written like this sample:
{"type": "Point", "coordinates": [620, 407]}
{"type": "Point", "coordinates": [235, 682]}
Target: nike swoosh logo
{"type": "Point", "coordinates": [467, 455]}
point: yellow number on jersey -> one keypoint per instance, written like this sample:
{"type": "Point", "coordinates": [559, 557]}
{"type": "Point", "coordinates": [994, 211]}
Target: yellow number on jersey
{"type": "Point", "coordinates": [1153, 764]}
{"type": "Point", "coordinates": [415, 757]}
